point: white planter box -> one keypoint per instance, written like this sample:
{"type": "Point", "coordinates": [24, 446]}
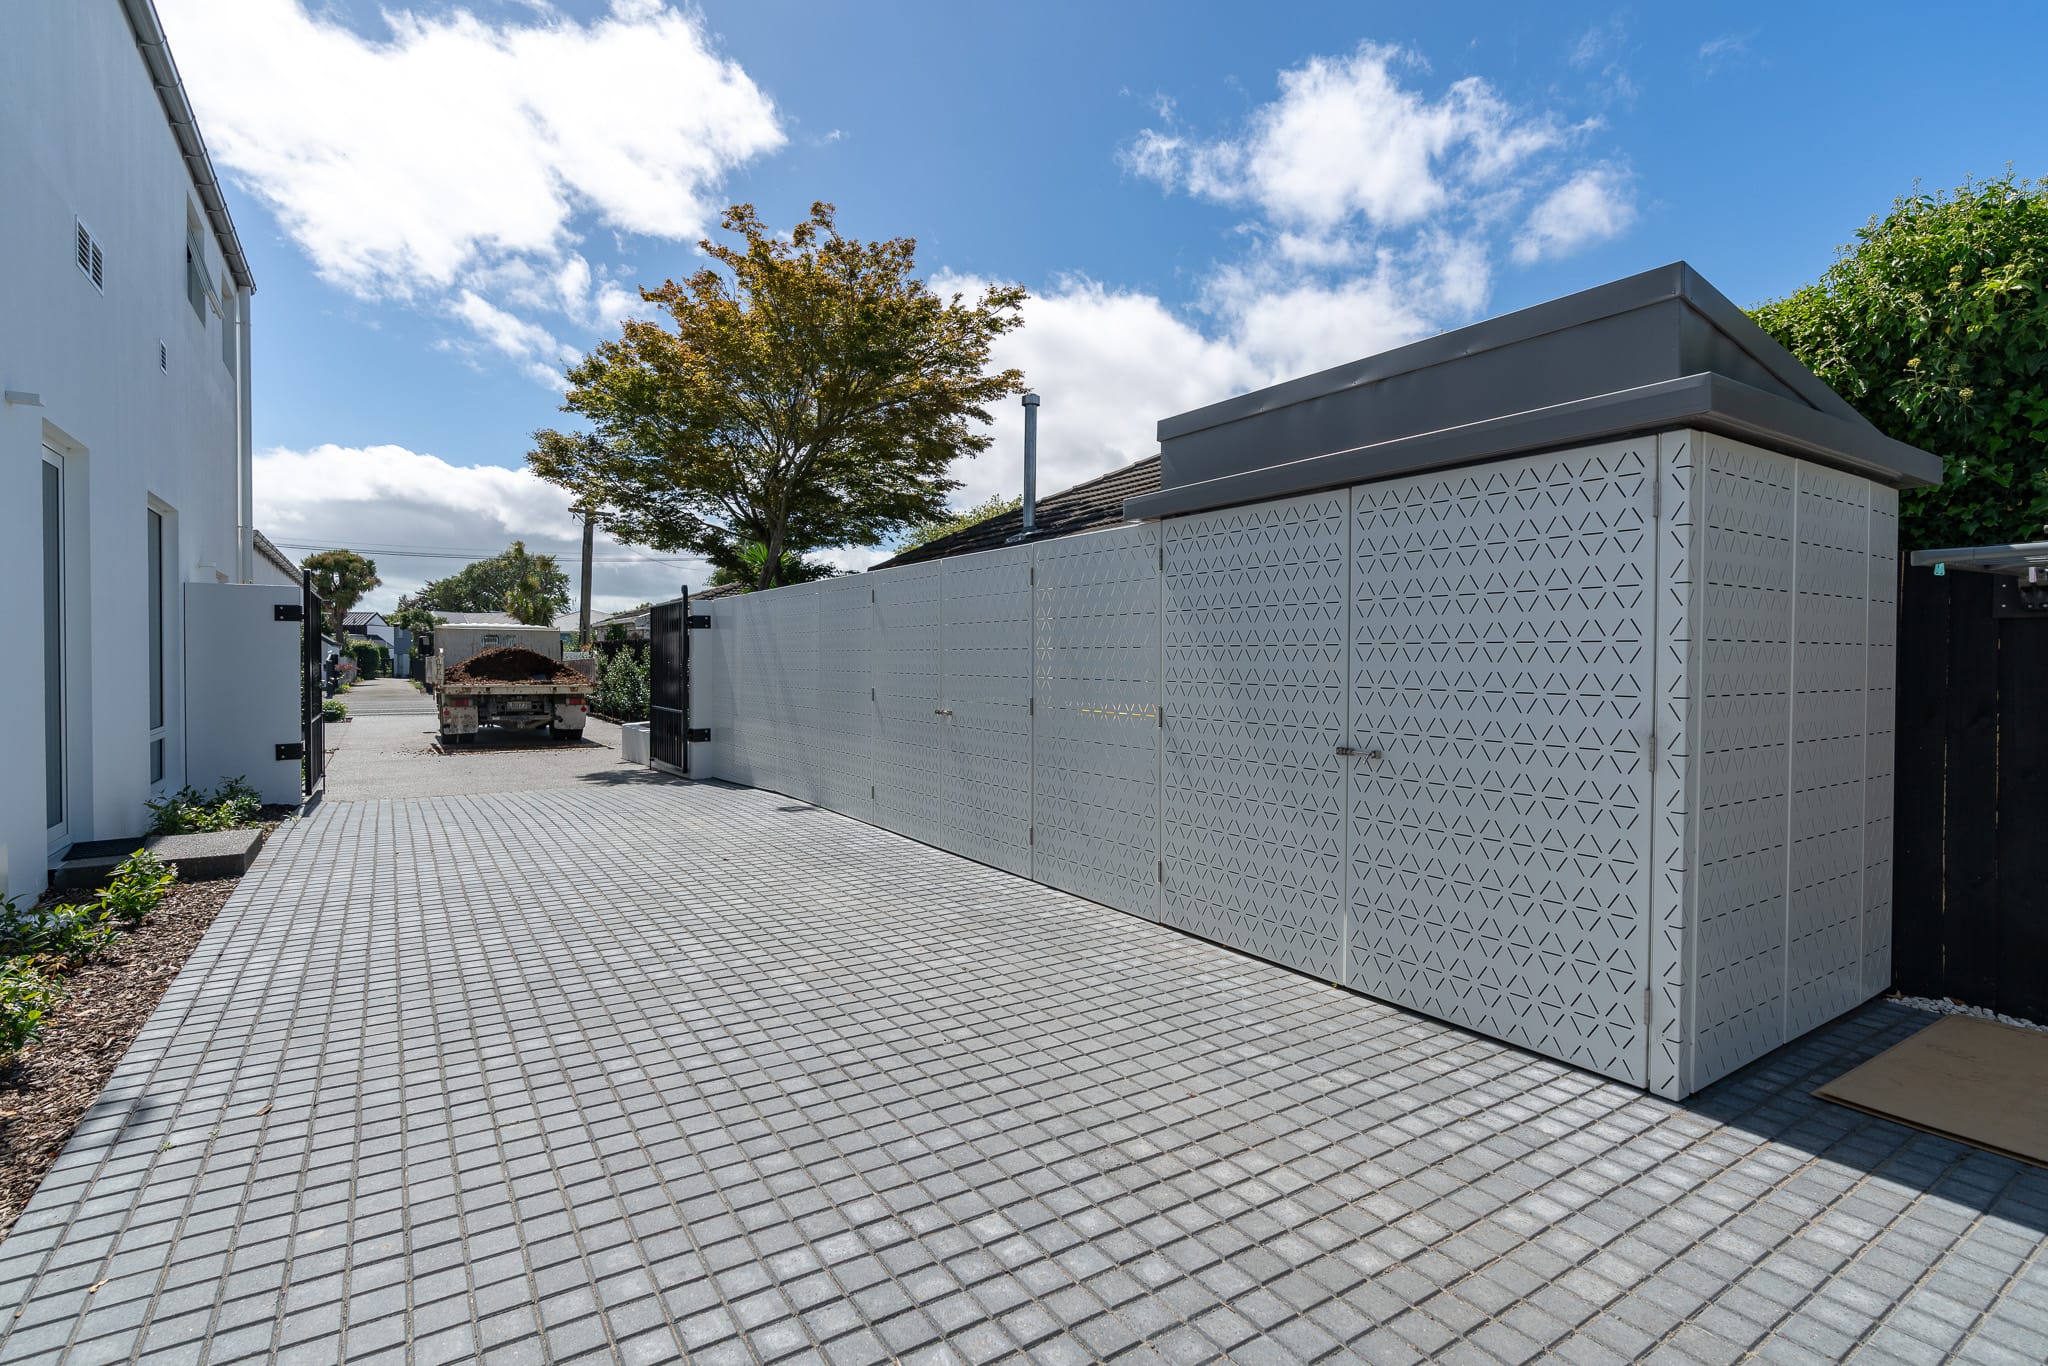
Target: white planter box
{"type": "Point", "coordinates": [633, 742]}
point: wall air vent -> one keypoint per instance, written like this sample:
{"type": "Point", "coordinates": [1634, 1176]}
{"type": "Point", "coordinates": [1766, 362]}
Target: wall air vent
{"type": "Point", "coordinates": [91, 263]}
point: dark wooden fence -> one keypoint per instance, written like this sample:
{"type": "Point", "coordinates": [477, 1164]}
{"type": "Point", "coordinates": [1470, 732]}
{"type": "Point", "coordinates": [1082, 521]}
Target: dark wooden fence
{"type": "Point", "coordinates": [1970, 829]}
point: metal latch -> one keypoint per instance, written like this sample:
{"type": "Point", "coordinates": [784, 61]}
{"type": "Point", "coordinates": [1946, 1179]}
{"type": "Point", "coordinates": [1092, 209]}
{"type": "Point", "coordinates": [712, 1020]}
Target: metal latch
{"type": "Point", "coordinates": [696, 623]}
{"type": "Point", "coordinates": [287, 611]}
{"type": "Point", "coordinates": [291, 751]}
{"type": "Point", "coordinates": [942, 711]}
{"type": "Point", "coordinates": [1352, 752]}
{"type": "Point", "coordinates": [698, 735]}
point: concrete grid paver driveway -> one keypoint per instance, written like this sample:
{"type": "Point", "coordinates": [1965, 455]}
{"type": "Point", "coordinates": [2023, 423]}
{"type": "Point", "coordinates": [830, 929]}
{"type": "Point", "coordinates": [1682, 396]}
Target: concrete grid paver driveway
{"type": "Point", "coordinates": [638, 1072]}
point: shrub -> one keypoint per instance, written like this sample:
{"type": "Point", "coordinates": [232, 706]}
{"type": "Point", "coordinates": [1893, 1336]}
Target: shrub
{"type": "Point", "coordinates": [334, 709]}
{"type": "Point", "coordinates": [65, 933]}
{"type": "Point", "coordinates": [142, 881]}
{"type": "Point", "coordinates": [622, 689]}
{"type": "Point", "coordinates": [26, 996]}
{"type": "Point", "coordinates": [372, 658]}
{"type": "Point", "coordinates": [189, 810]}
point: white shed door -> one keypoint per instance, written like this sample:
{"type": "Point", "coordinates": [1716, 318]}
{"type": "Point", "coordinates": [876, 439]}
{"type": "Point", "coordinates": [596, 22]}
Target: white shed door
{"type": "Point", "coordinates": [986, 716]}
{"type": "Point", "coordinates": [1256, 672]}
{"type": "Point", "coordinates": [911, 761]}
{"type": "Point", "coordinates": [1501, 667]}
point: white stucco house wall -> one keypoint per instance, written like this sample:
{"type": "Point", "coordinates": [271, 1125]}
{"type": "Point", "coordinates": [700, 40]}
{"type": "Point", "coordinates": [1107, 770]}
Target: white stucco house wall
{"type": "Point", "coordinates": [273, 566]}
{"type": "Point", "coordinates": [124, 435]}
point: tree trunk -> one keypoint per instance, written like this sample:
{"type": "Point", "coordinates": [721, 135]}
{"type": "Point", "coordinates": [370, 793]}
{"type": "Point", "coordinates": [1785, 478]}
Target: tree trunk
{"type": "Point", "coordinates": [771, 562]}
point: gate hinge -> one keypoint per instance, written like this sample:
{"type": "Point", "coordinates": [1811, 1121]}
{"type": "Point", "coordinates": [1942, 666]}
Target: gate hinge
{"type": "Point", "coordinates": [695, 623]}
{"type": "Point", "coordinates": [291, 751]}
{"type": "Point", "coordinates": [1160, 717]}
{"type": "Point", "coordinates": [1031, 706]}
{"type": "Point", "coordinates": [1162, 871]}
{"type": "Point", "coordinates": [1031, 835]}
{"type": "Point", "coordinates": [871, 694]}
{"type": "Point", "coordinates": [697, 735]}
{"type": "Point", "coordinates": [1651, 747]}
{"type": "Point", "coordinates": [1656, 497]}
{"type": "Point", "coordinates": [287, 611]}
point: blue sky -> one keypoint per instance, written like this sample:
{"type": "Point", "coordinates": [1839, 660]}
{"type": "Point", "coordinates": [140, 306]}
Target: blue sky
{"type": "Point", "coordinates": [442, 204]}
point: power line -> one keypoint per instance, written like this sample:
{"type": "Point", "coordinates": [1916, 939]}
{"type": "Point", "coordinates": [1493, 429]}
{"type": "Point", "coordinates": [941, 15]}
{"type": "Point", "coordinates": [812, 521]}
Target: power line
{"type": "Point", "coordinates": [407, 552]}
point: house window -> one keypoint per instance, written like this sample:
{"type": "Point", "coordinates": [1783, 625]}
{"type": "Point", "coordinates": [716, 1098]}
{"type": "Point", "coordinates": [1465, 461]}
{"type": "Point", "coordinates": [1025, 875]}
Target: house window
{"type": "Point", "coordinates": [55, 798]}
{"type": "Point", "coordinates": [155, 609]}
{"type": "Point", "coordinates": [198, 288]}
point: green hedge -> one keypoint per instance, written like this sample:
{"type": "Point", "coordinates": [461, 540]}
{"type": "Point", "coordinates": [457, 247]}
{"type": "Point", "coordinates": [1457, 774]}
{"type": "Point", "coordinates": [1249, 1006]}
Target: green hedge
{"type": "Point", "coordinates": [373, 658]}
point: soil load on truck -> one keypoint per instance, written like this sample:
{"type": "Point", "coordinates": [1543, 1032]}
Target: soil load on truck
{"type": "Point", "coordinates": [511, 664]}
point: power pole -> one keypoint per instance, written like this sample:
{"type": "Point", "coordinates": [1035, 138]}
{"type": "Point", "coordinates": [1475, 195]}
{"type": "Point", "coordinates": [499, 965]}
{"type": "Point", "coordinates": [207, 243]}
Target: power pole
{"type": "Point", "coordinates": [589, 542]}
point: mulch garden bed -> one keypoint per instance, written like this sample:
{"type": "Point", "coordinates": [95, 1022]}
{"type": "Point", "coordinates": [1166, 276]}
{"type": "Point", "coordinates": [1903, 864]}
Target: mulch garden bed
{"type": "Point", "coordinates": [54, 1081]}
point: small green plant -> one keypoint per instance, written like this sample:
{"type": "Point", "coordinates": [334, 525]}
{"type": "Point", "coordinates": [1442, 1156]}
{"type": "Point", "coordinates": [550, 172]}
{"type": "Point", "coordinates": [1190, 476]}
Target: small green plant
{"type": "Point", "coordinates": [64, 934]}
{"type": "Point", "coordinates": [26, 995]}
{"type": "Point", "coordinates": [334, 709]}
{"type": "Point", "coordinates": [138, 885]}
{"type": "Point", "coordinates": [188, 811]}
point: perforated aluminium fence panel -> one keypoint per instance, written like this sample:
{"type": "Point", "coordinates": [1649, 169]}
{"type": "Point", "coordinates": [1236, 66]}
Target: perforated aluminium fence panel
{"type": "Point", "coordinates": [985, 680]}
{"type": "Point", "coordinates": [842, 751]}
{"type": "Point", "coordinates": [1880, 736]}
{"type": "Point", "coordinates": [1830, 625]}
{"type": "Point", "coordinates": [1256, 674]}
{"type": "Point", "coordinates": [1632, 707]}
{"type": "Point", "coordinates": [913, 759]}
{"type": "Point", "coordinates": [1502, 669]}
{"type": "Point", "coordinates": [1790, 896]}
{"type": "Point", "coordinates": [1095, 738]}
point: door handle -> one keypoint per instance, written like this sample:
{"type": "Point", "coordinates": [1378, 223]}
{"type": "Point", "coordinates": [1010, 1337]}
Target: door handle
{"type": "Point", "coordinates": [942, 711]}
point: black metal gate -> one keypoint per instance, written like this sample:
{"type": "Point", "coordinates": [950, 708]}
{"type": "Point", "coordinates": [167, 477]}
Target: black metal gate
{"type": "Point", "coordinates": [312, 693]}
{"type": "Point", "coordinates": [668, 683]}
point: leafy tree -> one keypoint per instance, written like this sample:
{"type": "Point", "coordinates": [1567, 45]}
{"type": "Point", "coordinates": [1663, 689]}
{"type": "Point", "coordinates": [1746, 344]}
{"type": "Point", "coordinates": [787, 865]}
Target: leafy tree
{"type": "Point", "coordinates": [924, 533]}
{"type": "Point", "coordinates": [417, 620]}
{"type": "Point", "coordinates": [1934, 324]}
{"type": "Point", "coordinates": [341, 578]}
{"type": "Point", "coordinates": [811, 392]}
{"type": "Point", "coordinates": [490, 586]}
{"type": "Point", "coordinates": [743, 565]}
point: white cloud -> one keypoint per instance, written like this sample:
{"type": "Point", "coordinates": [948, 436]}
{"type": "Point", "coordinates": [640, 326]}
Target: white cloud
{"type": "Point", "coordinates": [465, 154]}
{"type": "Point", "coordinates": [1592, 206]}
{"type": "Point", "coordinates": [380, 496]}
{"type": "Point", "coordinates": [1729, 49]}
{"type": "Point", "coordinates": [1348, 139]}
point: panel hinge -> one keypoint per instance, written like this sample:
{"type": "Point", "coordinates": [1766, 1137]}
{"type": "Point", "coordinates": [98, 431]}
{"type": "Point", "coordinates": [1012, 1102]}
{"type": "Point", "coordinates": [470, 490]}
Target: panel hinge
{"type": "Point", "coordinates": [1031, 835]}
{"type": "Point", "coordinates": [288, 611]}
{"type": "Point", "coordinates": [697, 735]}
{"type": "Point", "coordinates": [871, 595]}
{"type": "Point", "coordinates": [1656, 497]}
{"type": "Point", "coordinates": [695, 623]}
{"type": "Point", "coordinates": [291, 751]}
{"type": "Point", "coordinates": [1162, 554]}
{"type": "Point", "coordinates": [871, 694]}
{"type": "Point", "coordinates": [1160, 718]}
{"type": "Point", "coordinates": [1651, 748]}
{"type": "Point", "coordinates": [1031, 706]}
{"type": "Point", "coordinates": [1162, 871]}
{"type": "Point", "coordinates": [1034, 575]}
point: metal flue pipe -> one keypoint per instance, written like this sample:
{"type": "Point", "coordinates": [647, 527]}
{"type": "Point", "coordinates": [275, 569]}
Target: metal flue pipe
{"type": "Point", "coordinates": [1030, 464]}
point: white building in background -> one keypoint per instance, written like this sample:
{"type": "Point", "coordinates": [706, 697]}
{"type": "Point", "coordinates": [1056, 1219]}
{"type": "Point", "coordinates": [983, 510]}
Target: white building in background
{"type": "Point", "coordinates": [124, 435]}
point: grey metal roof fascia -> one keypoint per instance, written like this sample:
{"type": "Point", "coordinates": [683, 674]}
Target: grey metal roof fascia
{"type": "Point", "coordinates": [1985, 559]}
{"type": "Point", "coordinates": [170, 90]}
{"type": "Point", "coordinates": [1708, 401]}
{"type": "Point", "coordinates": [1676, 281]}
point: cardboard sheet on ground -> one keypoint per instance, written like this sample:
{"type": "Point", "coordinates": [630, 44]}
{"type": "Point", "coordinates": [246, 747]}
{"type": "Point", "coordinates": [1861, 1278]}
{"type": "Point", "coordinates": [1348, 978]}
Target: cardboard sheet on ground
{"type": "Point", "coordinates": [1978, 1081]}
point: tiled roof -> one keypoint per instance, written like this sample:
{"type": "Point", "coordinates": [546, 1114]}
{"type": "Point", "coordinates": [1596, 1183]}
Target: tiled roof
{"type": "Point", "coordinates": [276, 557]}
{"type": "Point", "coordinates": [717, 590]}
{"type": "Point", "coordinates": [358, 618]}
{"type": "Point", "coordinates": [476, 618]}
{"type": "Point", "coordinates": [1084, 507]}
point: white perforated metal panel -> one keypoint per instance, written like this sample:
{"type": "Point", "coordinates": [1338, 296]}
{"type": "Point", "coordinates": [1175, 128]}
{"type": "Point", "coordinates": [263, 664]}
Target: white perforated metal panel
{"type": "Point", "coordinates": [985, 677]}
{"type": "Point", "coordinates": [1744, 599]}
{"type": "Point", "coordinates": [913, 762]}
{"type": "Point", "coordinates": [1502, 666]}
{"type": "Point", "coordinates": [1257, 664]}
{"type": "Point", "coordinates": [1672, 840]}
{"type": "Point", "coordinates": [1095, 744]}
{"type": "Point", "coordinates": [842, 751]}
{"type": "Point", "coordinates": [1830, 661]}
{"type": "Point", "coordinates": [780, 708]}
{"type": "Point", "coordinates": [1880, 729]}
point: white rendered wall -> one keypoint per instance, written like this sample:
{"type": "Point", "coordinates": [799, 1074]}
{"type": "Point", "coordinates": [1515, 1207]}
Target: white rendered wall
{"type": "Point", "coordinates": [83, 137]}
{"type": "Point", "coordinates": [1620, 787]}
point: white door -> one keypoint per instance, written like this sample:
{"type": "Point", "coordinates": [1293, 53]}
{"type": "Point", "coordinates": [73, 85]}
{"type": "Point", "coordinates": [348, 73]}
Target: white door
{"type": "Point", "coordinates": [1256, 683]}
{"type": "Point", "coordinates": [985, 676]}
{"type": "Point", "coordinates": [1502, 694]}
{"type": "Point", "coordinates": [56, 714]}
